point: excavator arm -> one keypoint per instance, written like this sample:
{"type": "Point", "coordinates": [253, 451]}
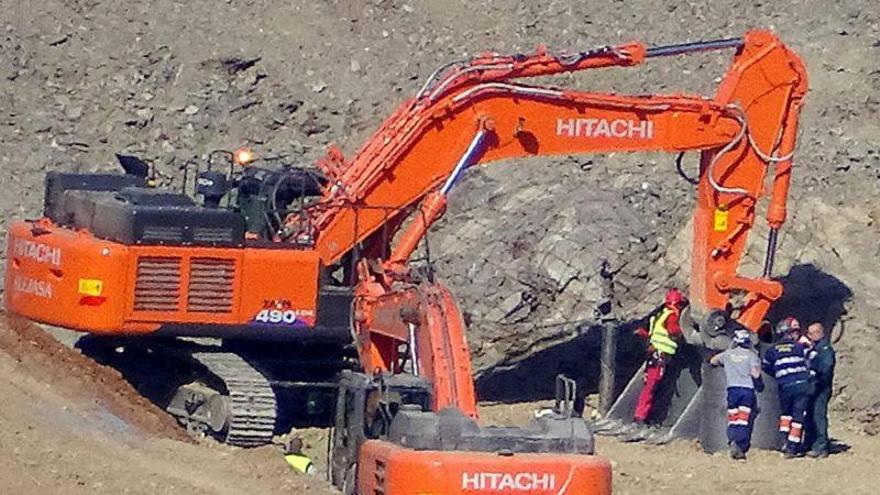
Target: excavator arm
{"type": "Point", "coordinates": [476, 115]}
{"type": "Point", "coordinates": [477, 112]}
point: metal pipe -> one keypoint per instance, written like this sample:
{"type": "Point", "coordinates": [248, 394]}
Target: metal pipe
{"type": "Point", "coordinates": [435, 74]}
{"type": "Point", "coordinates": [608, 356]}
{"type": "Point", "coordinates": [710, 170]}
{"type": "Point", "coordinates": [474, 68]}
{"type": "Point", "coordinates": [771, 252]}
{"type": "Point", "coordinates": [608, 367]}
{"type": "Point", "coordinates": [185, 177]}
{"type": "Point", "coordinates": [413, 350]}
{"type": "Point", "coordinates": [698, 46]}
{"type": "Point", "coordinates": [512, 88]}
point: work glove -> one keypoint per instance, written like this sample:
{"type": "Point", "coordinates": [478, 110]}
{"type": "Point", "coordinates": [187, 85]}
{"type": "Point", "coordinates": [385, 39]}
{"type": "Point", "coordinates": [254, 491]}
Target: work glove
{"type": "Point", "coordinates": [759, 384]}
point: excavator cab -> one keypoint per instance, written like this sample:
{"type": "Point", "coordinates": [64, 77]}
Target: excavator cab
{"type": "Point", "coordinates": [263, 190]}
{"type": "Point", "coordinates": [387, 421]}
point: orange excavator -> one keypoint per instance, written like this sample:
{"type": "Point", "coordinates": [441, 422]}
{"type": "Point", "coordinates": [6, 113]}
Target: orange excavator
{"type": "Point", "coordinates": [283, 275]}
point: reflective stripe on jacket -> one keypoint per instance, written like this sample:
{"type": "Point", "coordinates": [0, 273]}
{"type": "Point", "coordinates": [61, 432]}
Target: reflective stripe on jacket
{"type": "Point", "coordinates": [658, 334]}
{"type": "Point", "coordinates": [787, 362]}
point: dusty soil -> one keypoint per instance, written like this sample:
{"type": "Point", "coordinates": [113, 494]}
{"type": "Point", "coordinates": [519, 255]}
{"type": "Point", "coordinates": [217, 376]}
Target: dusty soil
{"type": "Point", "coordinates": [72, 426]}
{"type": "Point", "coordinates": [80, 378]}
{"type": "Point", "coordinates": [521, 244]}
{"type": "Point", "coordinates": [682, 467]}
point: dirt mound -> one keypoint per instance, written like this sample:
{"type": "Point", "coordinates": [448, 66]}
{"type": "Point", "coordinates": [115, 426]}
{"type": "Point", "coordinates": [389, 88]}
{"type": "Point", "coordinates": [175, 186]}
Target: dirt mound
{"type": "Point", "coordinates": [52, 443]}
{"type": "Point", "coordinates": [75, 376]}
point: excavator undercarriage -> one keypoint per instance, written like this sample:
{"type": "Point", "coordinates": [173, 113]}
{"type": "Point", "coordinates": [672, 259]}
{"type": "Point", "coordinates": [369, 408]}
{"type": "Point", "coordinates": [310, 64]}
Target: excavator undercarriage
{"type": "Point", "coordinates": [240, 393]}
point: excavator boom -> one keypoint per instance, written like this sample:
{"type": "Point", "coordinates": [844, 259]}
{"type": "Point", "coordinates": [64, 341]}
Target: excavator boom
{"type": "Point", "coordinates": [476, 113]}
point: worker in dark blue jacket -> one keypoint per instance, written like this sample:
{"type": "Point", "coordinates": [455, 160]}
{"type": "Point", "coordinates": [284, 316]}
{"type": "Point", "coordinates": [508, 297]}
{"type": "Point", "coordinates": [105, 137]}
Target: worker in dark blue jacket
{"type": "Point", "coordinates": [786, 360]}
{"type": "Point", "coordinates": [822, 360]}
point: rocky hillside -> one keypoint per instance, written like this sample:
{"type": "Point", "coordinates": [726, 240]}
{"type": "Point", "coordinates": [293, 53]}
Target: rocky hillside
{"type": "Point", "coordinates": [523, 243]}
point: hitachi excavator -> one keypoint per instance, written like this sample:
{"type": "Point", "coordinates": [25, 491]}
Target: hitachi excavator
{"type": "Point", "coordinates": [279, 277]}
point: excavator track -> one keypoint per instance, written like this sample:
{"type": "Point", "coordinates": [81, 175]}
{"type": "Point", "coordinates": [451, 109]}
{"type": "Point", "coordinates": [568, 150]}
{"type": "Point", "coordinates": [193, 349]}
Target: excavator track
{"type": "Point", "coordinates": [252, 407]}
{"type": "Point", "coordinates": [237, 394]}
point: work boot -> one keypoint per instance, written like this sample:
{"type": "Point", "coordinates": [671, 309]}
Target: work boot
{"type": "Point", "coordinates": [638, 432]}
{"type": "Point", "coordinates": [817, 454]}
{"type": "Point", "coordinates": [736, 452]}
{"type": "Point", "coordinates": [638, 435]}
{"type": "Point", "coordinates": [606, 424]}
{"type": "Point", "coordinates": [623, 429]}
{"type": "Point", "coordinates": [792, 453]}
{"type": "Point", "coordinates": [658, 436]}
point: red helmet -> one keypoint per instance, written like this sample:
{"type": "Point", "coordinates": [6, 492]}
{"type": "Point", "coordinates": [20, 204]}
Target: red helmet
{"type": "Point", "coordinates": [674, 297]}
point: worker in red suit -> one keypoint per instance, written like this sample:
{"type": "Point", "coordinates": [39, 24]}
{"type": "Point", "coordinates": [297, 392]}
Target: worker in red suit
{"type": "Point", "coordinates": [663, 335]}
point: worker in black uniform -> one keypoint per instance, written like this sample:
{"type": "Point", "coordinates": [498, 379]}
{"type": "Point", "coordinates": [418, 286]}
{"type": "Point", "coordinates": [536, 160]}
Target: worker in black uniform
{"type": "Point", "coordinates": [822, 360]}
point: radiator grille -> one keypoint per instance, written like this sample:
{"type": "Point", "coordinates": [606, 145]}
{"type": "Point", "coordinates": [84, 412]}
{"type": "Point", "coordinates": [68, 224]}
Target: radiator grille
{"type": "Point", "coordinates": [210, 285]}
{"type": "Point", "coordinates": [157, 287]}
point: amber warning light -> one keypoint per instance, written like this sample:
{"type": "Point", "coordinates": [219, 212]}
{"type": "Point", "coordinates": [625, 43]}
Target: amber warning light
{"type": "Point", "coordinates": [243, 156]}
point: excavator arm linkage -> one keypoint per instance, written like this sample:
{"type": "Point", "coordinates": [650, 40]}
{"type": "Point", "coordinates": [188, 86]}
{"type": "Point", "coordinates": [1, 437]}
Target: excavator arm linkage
{"type": "Point", "coordinates": [475, 112]}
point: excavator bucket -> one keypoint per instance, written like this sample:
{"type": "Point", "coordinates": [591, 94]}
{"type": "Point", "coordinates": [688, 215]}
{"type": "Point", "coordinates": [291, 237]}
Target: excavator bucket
{"type": "Point", "coordinates": [690, 403]}
{"type": "Point", "coordinates": [675, 398]}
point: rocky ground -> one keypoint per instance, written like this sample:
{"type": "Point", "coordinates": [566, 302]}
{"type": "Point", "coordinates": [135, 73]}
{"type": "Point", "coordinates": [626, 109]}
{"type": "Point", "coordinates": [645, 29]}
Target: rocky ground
{"type": "Point", "coordinates": [522, 243]}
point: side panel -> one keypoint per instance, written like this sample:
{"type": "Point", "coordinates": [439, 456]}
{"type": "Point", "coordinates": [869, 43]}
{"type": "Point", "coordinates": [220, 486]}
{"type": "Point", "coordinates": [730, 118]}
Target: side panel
{"type": "Point", "coordinates": [387, 468]}
{"type": "Point", "coordinates": [280, 280]}
{"type": "Point", "coordinates": [183, 284]}
{"type": "Point", "coordinates": [65, 278]}
{"type": "Point", "coordinates": [267, 289]}
{"type": "Point", "coordinates": [71, 279]}
{"type": "Point", "coordinates": [226, 292]}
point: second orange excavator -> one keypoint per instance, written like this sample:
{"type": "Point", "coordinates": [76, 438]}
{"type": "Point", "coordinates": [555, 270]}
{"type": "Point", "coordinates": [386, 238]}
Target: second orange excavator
{"type": "Point", "coordinates": [293, 274]}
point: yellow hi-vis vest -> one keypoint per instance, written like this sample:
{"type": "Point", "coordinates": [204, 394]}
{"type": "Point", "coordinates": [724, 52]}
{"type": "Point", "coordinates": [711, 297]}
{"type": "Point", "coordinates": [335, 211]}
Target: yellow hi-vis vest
{"type": "Point", "coordinates": [659, 335]}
